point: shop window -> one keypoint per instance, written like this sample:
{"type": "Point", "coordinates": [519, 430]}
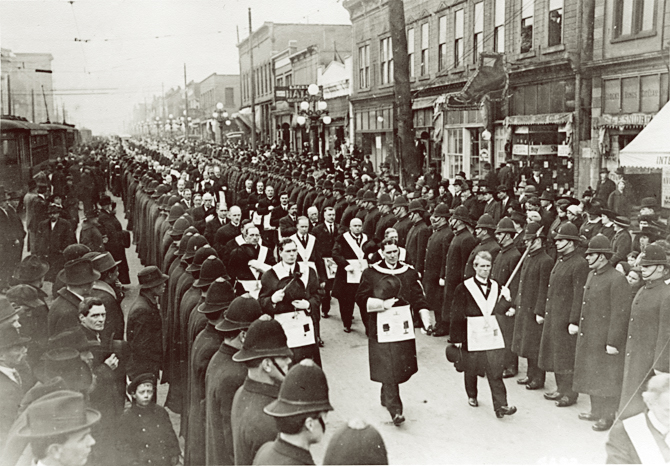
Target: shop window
{"type": "Point", "coordinates": [475, 162]}
{"type": "Point", "coordinates": [364, 66]}
{"type": "Point", "coordinates": [442, 43]}
{"type": "Point", "coordinates": [425, 41]}
{"type": "Point", "coordinates": [458, 38]}
{"type": "Point", "coordinates": [527, 14]}
{"type": "Point", "coordinates": [478, 37]}
{"type": "Point", "coordinates": [455, 150]}
{"type": "Point", "coordinates": [633, 17]}
{"type": "Point", "coordinates": [386, 60]}
{"type": "Point", "coordinates": [555, 22]}
{"type": "Point", "coordinates": [499, 27]}
{"type": "Point", "coordinates": [410, 51]}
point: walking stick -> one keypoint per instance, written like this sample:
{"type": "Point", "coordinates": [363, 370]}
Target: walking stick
{"type": "Point", "coordinates": [523, 257]}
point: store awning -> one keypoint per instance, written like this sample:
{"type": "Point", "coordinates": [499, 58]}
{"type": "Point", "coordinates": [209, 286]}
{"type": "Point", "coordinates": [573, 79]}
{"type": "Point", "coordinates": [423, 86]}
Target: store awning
{"type": "Point", "coordinates": [650, 148]}
{"type": "Point", "coordinates": [423, 102]}
{"type": "Point", "coordinates": [543, 119]}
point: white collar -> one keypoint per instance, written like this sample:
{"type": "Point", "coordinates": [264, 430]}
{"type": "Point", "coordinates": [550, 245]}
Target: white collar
{"type": "Point", "coordinates": [9, 372]}
{"type": "Point", "coordinates": [81, 298]}
{"type": "Point", "coordinates": [658, 425]}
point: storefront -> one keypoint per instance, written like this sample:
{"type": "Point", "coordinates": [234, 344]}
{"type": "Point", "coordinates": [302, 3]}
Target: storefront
{"type": "Point", "coordinates": [426, 149]}
{"type": "Point", "coordinates": [335, 133]}
{"type": "Point", "coordinates": [464, 148]}
{"type": "Point", "coordinates": [374, 133]}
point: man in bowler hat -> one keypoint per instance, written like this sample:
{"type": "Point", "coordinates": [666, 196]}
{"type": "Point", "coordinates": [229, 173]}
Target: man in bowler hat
{"type": "Point", "coordinates": [78, 276]}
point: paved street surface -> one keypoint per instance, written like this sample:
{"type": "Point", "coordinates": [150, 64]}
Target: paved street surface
{"type": "Point", "coordinates": [441, 427]}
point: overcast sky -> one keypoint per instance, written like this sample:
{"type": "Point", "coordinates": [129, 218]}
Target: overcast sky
{"type": "Point", "coordinates": [132, 47]}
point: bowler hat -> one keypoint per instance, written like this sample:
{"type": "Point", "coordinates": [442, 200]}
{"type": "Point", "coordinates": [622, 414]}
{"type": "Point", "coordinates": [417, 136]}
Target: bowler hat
{"type": "Point", "coordinates": [265, 339]}
{"type": "Point", "coordinates": [463, 214]}
{"type": "Point", "coordinates": [10, 337]}
{"type": "Point", "coordinates": [196, 242]}
{"type": "Point", "coordinates": [75, 251]}
{"type": "Point", "coordinates": [568, 231]}
{"type": "Point", "coordinates": [360, 194]}
{"type": "Point", "coordinates": [74, 338]}
{"type": "Point", "coordinates": [416, 206]}
{"type": "Point", "coordinates": [356, 443]}
{"type": "Point", "coordinates": [600, 244]}
{"type": "Point", "coordinates": [454, 355]}
{"type": "Point", "coordinates": [219, 297]}
{"type": "Point", "coordinates": [327, 184]}
{"type": "Point", "coordinates": [441, 211]}
{"type": "Point", "coordinates": [622, 221]}
{"type": "Point", "coordinates": [651, 232]}
{"type": "Point", "coordinates": [547, 196]}
{"type": "Point", "coordinates": [387, 287]}
{"type": "Point", "coordinates": [150, 277]}
{"type": "Point", "coordinates": [384, 199]}
{"type": "Point", "coordinates": [653, 255]}
{"type": "Point", "coordinates": [303, 391]}
{"type": "Point", "coordinates": [78, 272]}
{"type": "Point", "coordinates": [58, 413]}
{"type": "Point", "coordinates": [486, 221]}
{"type": "Point", "coordinates": [104, 262]}
{"type": "Point", "coordinates": [565, 201]}
{"type": "Point", "coordinates": [534, 230]}
{"type": "Point", "coordinates": [505, 225]}
{"type": "Point", "coordinates": [400, 201]}
{"type": "Point", "coordinates": [240, 314]}
{"type": "Point", "coordinates": [649, 202]}
{"type": "Point", "coordinates": [138, 380]}
{"type": "Point", "coordinates": [200, 256]}
{"type": "Point", "coordinates": [31, 269]}
{"type": "Point", "coordinates": [211, 269]}
{"type": "Point", "coordinates": [22, 295]}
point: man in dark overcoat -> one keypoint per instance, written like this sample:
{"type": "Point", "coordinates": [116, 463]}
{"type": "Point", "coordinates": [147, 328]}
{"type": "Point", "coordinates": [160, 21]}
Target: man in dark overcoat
{"type": "Point", "coordinates": [417, 237]}
{"type": "Point", "coordinates": [622, 243]}
{"type": "Point", "coordinates": [78, 276]}
{"type": "Point", "coordinates": [53, 236]}
{"type": "Point", "coordinates": [403, 222]}
{"type": "Point", "coordinates": [459, 251]}
{"type": "Point", "coordinates": [564, 304]}
{"type": "Point", "coordinates": [387, 286]}
{"type": "Point", "coordinates": [434, 268]}
{"type": "Point", "coordinates": [326, 233]}
{"type": "Point", "coordinates": [530, 301]}
{"type": "Point", "coordinates": [601, 336]}
{"type": "Point", "coordinates": [113, 230]}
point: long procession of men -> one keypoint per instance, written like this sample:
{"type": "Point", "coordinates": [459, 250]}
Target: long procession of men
{"type": "Point", "coordinates": [244, 253]}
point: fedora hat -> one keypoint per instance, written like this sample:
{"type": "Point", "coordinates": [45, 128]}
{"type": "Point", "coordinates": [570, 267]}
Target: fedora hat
{"type": "Point", "coordinates": [652, 232]}
{"type": "Point", "coordinates": [454, 355]}
{"type": "Point", "coordinates": [200, 256]}
{"type": "Point", "coordinates": [400, 201]}
{"type": "Point", "coordinates": [463, 214]}
{"type": "Point", "coordinates": [653, 255]}
{"type": "Point", "coordinates": [104, 262]}
{"type": "Point", "coordinates": [568, 231]}
{"type": "Point", "coordinates": [10, 337]}
{"type": "Point", "coordinates": [22, 295]}
{"type": "Point", "coordinates": [441, 211]}
{"type": "Point", "coordinates": [240, 314]}
{"type": "Point", "coordinates": [303, 391]}
{"type": "Point", "coordinates": [219, 296]}
{"type": "Point", "coordinates": [66, 364]}
{"type": "Point", "coordinates": [139, 380]}
{"type": "Point", "coordinates": [486, 221]}
{"type": "Point", "coordinates": [196, 242]}
{"type": "Point", "coordinates": [265, 339]}
{"type": "Point", "coordinates": [150, 277]}
{"type": "Point", "coordinates": [532, 230]}
{"type": "Point", "coordinates": [622, 221]}
{"type": "Point", "coordinates": [355, 443]}
{"type": "Point", "coordinates": [387, 287]}
{"type": "Point", "coordinates": [58, 413]}
{"type": "Point", "coordinates": [505, 225]}
{"type": "Point", "coordinates": [599, 244]}
{"type": "Point", "coordinates": [547, 196]}
{"type": "Point", "coordinates": [211, 269]}
{"type": "Point", "coordinates": [78, 272]}
{"type": "Point", "coordinates": [31, 269]}
{"type": "Point", "coordinates": [74, 338]}
{"type": "Point", "coordinates": [649, 202]}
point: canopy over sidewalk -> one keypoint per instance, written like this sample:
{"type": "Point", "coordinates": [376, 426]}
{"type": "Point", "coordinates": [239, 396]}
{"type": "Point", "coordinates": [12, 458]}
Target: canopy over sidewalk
{"type": "Point", "coordinates": [650, 148]}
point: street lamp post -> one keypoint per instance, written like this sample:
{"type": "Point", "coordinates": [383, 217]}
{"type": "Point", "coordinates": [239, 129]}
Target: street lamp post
{"type": "Point", "coordinates": [221, 117]}
{"type": "Point", "coordinates": [158, 126]}
{"type": "Point", "coordinates": [313, 110]}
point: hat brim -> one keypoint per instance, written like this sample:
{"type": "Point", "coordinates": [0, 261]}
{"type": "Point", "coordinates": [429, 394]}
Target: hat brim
{"type": "Point", "coordinates": [116, 264]}
{"type": "Point", "coordinates": [205, 308]}
{"type": "Point", "coordinates": [44, 269]}
{"type": "Point", "coordinates": [201, 283]}
{"type": "Point", "coordinates": [606, 252]}
{"type": "Point", "coordinates": [504, 230]}
{"type": "Point", "coordinates": [568, 237]}
{"type": "Point", "coordinates": [61, 277]}
{"type": "Point", "coordinates": [92, 417]}
{"type": "Point", "coordinates": [249, 355]}
{"type": "Point", "coordinates": [647, 263]}
{"type": "Point", "coordinates": [228, 326]}
{"type": "Point", "coordinates": [154, 283]}
{"type": "Point", "coordinates": [282, 408]}
{"type": "Point", "coordinates": [194, 268]}
{"type": "Point", "coordinates": [469, 221]}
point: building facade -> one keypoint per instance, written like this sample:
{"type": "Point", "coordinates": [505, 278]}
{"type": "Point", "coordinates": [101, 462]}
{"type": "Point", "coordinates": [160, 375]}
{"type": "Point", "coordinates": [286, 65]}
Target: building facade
{"type": "Point", "coordinates": [27, 86]}
{"type": "Point", "coordinates": [215, 89]}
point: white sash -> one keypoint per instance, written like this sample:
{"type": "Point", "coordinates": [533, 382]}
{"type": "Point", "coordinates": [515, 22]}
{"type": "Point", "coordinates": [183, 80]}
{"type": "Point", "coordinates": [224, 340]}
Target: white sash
{"type": "Point", "coordinates": [643, 440]}
{"type": "Point", "coordinates": [239, 239]}
{"type": "Point", "coordinates": [402, 254]}
{"type": "Point", "coordinates": [395, 324]}
{"type": "Point", "coordinates": [354, 245]}
{"type": "Point", "coordinates": [483, 332]}
{"type": "Point", "coordinates": [262, 255]}
{"type": "Point", "coordinates": [281, 271]}
{"type": "Point", "coordinates": [305, 253]}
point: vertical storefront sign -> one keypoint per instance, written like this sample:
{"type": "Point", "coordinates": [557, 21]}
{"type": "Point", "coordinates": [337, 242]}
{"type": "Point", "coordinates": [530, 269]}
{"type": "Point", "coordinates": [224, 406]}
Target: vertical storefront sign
{"type": "Point", "coordinates": [665, 187]}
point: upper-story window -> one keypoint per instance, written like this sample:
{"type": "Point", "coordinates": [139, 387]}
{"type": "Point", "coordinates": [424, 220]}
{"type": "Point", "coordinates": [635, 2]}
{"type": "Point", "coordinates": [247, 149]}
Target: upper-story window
{"type": "Point", "coordinates": [555, 22]}
{"type": "Point", "coordinates": [410, 51]}
{"type": "Point", "coordinates": [442, 43]}
{"type": "Point", "coordinates": [386, 59]}
{"type": "Point", "coordinates": [425, 41]}
{"type": "Point", "coordinates": [478, 37]}
{"type": "Point", "coordinates": [633, 17]}
{"type": "Point", "coordinates": [364, 66]}
{"type": "Point", "coordinates": [499, 27]}
{"type": "Point", "coordinates": [458, 37]}
{"type": "Point", "coordinates": [527, 15]}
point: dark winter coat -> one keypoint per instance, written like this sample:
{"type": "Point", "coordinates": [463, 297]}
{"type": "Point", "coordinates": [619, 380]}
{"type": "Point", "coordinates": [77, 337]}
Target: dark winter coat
{"type": "Point", "coordinates": [434, 268]}
{"type": "Point", "coordinates": [280, 452]}
{"type": "Point", "coordinates": [146, 437]}
{"type": "Point", "coordinates": [144, 336]}
{"type": "Point", "coordinates": [622, 245]}
{"type": "Point", "coordinates": [416, 242]}
{"type": "Point", "coordinates": [403, 226]}
{"type": "Point", "coordinates": [459, 251]}
{"type": "Point", "coordinates": [64, 312]}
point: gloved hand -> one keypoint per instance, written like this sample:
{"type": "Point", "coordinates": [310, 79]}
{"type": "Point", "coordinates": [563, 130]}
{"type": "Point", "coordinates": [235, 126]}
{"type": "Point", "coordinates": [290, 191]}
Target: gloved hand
{"type": "Point", "coordinates": [441, 282]}
{"type": "Point", "coordinates": [539, 319]}
{"type": "Point", "coordinates": [505, 293]}
{"type": "Point", "coordinates": [611, 350]}
{"type": "Point", "coordinates": [573, 329]}
{"type": "Point", "coordinates": [510, 312]}
{"type": "Point", "coordinates": [427, 318]}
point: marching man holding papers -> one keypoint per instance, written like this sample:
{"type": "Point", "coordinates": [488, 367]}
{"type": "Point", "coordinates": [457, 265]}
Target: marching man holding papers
{"type": "Point", "coordinates": [250, 260]}
{"type": "Point", "coordinates": [391, 293]}
{"type": "Point", "coordinates": [474, 325]}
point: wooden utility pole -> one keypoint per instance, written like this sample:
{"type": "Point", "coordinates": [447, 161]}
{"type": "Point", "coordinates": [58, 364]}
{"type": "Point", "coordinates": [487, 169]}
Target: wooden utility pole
{"type": "Point", "coordinates": [32, 103]}
{"type": "Point", "coordinates": [46, 107]}
{"type": "Point", "coordinates": [186, 104]}
{"type": "Point", "coordinates": [253, 86]}
{"type": "Point", "coordinates": [404, 144]}
{"type": "Point", "coordinates": [9, 95]}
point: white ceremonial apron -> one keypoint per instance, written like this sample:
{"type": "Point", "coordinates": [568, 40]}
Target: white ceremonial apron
{"type": "Point", "coordinates": [305, 253]}
{"type": "Point", "coordinates": [395, 324]}
{"type": "Point", "coordinates": [253, 287]}
{"type": "Point", "coordinates": [359, 264]}
{"type": "Point", "coordinates": [297, 325]}
{"type": "Point", "coordinates": [643, 440]}
{"type": "Point", "coordinates": [484, 332]}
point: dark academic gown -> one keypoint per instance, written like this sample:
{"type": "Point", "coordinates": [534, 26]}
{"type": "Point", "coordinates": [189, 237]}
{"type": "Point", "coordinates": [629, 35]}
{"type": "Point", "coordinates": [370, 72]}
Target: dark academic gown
{"type": "Point", "coordinates": [436, 252]}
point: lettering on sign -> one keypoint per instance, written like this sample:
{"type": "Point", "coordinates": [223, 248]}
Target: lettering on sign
{"type": "Point", "coordinates": [294, 93]}
{"type": "Point", "coordinates": [665, 186]}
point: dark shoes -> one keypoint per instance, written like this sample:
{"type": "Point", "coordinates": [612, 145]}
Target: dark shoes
{"type": "Point", "coordinates": [588, 417]}
{"type": "Point", "coordinates": [565, 401]}
{"type": "Point", "coordinates": [602, 425]}
{"type": "Point", "coordinates": [552, 396]}
{"type": "Point", "coordinates": [473, 402]}
{"type": "Point", "coordinates": [505, 411]}
{"type": "Point", "coordinates": [534, 385]}
{"type": "Point", "coordinates": [440, 332]}
{"type": "Point", "coordinates": [320, 342]}
{"type": "Point", "coordinates": [524, 381]}
{"type": "Point", "coordinates": [509, 373]}
{"type": "Point", "coordinates": [325, 316]}
{"type": "Point", "coordinates": [398, 419]}
{"type": "Point", "coordinates": [347, 329]}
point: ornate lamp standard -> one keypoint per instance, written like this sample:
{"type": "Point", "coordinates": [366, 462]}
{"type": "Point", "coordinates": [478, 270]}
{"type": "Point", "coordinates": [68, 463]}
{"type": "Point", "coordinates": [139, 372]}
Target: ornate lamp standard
{"type": "Point", "coordinates": [221, 117]}
{"type": "Point", "coordinates": [315, 110]}
{"type": "Point", "coordinates": [158, 126]}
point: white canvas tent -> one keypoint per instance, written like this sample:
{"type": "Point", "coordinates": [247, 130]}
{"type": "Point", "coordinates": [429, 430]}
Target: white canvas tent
{"type": "Point", "coordinates": [650, 148]}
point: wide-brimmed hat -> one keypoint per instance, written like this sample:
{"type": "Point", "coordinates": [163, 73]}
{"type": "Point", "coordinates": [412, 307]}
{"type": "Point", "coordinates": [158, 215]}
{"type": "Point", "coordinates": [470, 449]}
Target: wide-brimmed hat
{"type": "Point", "coordinates": [219, 296]}
{"type": "Point", "coordinates": [486, 221]}
{"type": "Point", "coordinates": [652, 232]}
{"type": "Point", "coordinates": [463, 214]}
{"type": "Point", "coordinates": [138, 380]}
{"type": "Point", "coordinates": [58, 413]}
{"type": "Point", "coordinates": [533, 231]}
{"type": "Point", "coordinates": [103, 262]}
{"type": "Point", "coordinates": [31, 269]}
{"type": "Point", "coordinates": [653, 255]}
{"type": "Point", "coordinates": [240, 314]}
{"type": "Point", "coordinates": [568, 231]}
{"type": "Point", "coordinates": [400, 201]}
{"type": "Point", "coordinates": [78, 272]}
{"type": "Point", "coordinates": [356, 443]}
{"type": "Point", "coordinates": [200, 256]}
{"type": "Point", "coordinates": [304, 390]}
{"type": "Point", "coordinates": [265, 339]}
{"type": "Point", "coordinates": [10, 337]}
{"type": "Point", "coordinates": [74, 338]}
{"type": "Point", "coordinates": [150, 277]}
{"type": "Point", "coordinates": [387, 287]}
{"type": "Point", "coordinates": [622, 221]}
{"type": "Point", "coordinates": [22, 295]}
{"type": "Point", "coordinates": [441, 211]}
{"type": "Point", "coordinates": [599, 244]}
{"type": "Point", "coordinates": [75, 251]}
{"type": "Point", "coordinates": [505, 225]}
{"type": "Point", "coordinates": [547, 196]}
{"type": "Point", "coordinates": [211, 269]}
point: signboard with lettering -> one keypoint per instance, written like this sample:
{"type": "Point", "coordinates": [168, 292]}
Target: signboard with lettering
{"type": "Point", "coordinates": [630, 119]}
{"type": "Point", "coordinates": [665, 187]}
{"type": "Point", "coordinates": [295, 93]}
